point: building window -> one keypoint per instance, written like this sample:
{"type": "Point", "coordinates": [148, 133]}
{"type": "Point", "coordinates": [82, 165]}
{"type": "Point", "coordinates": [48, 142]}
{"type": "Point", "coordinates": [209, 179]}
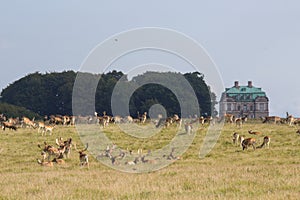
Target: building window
{"type": "Point", "coordinates": [245, 107]}
{"type": "Point", "coordinates": [239, 107]}
{"type": "Point", "coordinates": [261, 106]}
{"type": "Point", "coordinates": [229, 106]}
{"type": "Point", "coordinates": [251, 107]}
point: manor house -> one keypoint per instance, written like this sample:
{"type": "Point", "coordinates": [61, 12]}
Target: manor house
{"type": "Point", "coordinates": [244, 100]}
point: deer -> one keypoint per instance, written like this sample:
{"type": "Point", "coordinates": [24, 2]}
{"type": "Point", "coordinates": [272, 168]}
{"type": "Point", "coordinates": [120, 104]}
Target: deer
{"type": "Point", "coordinates": [45, 163]}
{"type": "Point", "coordinates": [290, 119]}
{"type": "Point", "coordinates": [298, 131]}
{"type": "Point", "coordinates": [235, 138]}
{"type": "Point", "coordinates": [248, 142]}
{"type": "Point", "coordinates": [254, 132]}
{"type": "Point", "coordinates": [48, 129]}
{"type": "Point", "coordinates": [83, 157]}
{"type": "Point", "coordinates": [50, 150]}
{"type": "Point", "coordinates": [28, 122]}
{"type": "Point", "coordinates": [9, 126]}
{"type": "Point", "coordinates": [64, 146]}
{"type": "Point", "coordinates": [266, 142]}
{"type": "Point", "coordinates": [134, 162]}
{"type": "Point", "coordinates": [188, 128]}
{"type": "Point", "coordinates": [274, 119]}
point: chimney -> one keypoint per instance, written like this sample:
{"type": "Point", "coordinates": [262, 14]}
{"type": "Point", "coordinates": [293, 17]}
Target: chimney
{"type": "Point", "coordinates": [249, 84]}
{"type": "Point", "coordinates": [236, 84]}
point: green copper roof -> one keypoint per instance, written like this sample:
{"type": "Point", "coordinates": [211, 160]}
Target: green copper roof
{"type": "Point", "coordinates": [245, 93]}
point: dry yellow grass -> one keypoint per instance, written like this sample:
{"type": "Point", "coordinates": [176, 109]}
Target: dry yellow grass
{"type": "Point", "coordinates": [226, 172]}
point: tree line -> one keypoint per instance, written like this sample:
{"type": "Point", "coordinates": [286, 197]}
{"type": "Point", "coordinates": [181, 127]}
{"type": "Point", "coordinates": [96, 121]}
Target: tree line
{"type": "Point", "coordinates": [51, 93]}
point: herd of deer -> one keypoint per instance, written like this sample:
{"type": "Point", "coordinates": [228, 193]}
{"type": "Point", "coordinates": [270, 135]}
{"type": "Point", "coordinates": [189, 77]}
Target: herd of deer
{"type": "Point", "coordinates": [55, 154]}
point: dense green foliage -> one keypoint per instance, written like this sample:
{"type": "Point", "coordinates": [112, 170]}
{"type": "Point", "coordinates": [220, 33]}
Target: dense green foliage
{"type": "Point", "coordinates": [51, 93]}
{"type": "Point", "coordinates": [16, 111]}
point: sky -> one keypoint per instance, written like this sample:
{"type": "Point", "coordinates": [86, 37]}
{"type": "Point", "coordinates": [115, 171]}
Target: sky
{"type": "Point", "coordinates": [247, 40]}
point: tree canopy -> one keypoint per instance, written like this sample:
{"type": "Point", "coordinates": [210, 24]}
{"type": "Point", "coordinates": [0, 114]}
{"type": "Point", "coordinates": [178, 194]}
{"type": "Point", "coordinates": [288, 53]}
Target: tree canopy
{"type": "Point", "coordinates": [51, 93]}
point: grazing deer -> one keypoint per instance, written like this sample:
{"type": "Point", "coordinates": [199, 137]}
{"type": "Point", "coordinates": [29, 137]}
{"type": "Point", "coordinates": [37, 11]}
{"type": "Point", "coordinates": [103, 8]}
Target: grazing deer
{"type": "Point", "coordinates": [83, 157]}
{"type": "Point", "coordinates": [229, 118]}
{"type": "Point", "coordinates": [235, 138]}
{"type": "Point", "coordinates": [248, 142]}
{"type": "Point", "coordinates": [48, 129]}
{"type": "Point", "coordinates": [9, 126]}
{"type": "Point", "coordinates": [273, 119]}
{"type": "Point", "coordinates": [266, 142]}
{"type": "Point", "coordinates": [254, 132]}
{"type": "Point", "coordinates": [238, 122]}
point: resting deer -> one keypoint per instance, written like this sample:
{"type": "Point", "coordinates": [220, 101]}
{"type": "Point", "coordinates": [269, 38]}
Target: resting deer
{"type": "Point", "coordinates": [248, 142]}
{"type": "Point", "coordinates": [45, 163]}
{"type": "Point", "coordinates": [254, 132]}
{"type": "Point", "coordinates": [266, 142]}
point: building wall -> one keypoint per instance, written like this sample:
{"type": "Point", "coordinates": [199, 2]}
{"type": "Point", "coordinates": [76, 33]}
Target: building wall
{"type": "Point", "coordinates": [254, 109]}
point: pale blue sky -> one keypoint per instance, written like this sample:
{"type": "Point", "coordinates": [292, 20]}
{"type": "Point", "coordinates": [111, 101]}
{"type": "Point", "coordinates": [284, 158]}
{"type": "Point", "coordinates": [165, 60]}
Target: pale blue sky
{"type": "Point", "coordinates": [248, 40]}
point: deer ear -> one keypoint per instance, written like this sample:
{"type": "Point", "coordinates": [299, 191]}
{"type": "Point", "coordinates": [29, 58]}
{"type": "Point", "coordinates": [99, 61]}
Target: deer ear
{"type": "Point", "coordinates": [45, 143]}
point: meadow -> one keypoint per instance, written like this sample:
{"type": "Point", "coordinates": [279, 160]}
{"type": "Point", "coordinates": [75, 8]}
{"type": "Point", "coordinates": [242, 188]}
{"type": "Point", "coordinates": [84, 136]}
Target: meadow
{"type": "Point", "coordinates": [227, 172]}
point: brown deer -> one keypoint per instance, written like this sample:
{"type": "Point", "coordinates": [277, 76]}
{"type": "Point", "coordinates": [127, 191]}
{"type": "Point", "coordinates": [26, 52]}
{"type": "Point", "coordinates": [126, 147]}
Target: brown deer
{"type": "Point", "coordinates": [235, 138]}
{"type": "Point", "coordinates": [248, 142]}
{"type": "Point", "coordinates": [266, 142]}
{"type": "Point", "coordinates": [83, 157]}
{"type": "Point", "coordinates": [254, 132]}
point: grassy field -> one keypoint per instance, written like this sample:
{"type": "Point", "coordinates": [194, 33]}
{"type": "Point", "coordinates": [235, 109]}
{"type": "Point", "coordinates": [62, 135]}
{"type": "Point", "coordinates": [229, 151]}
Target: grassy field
{"type": "Point", "coordinates": [226, 172]}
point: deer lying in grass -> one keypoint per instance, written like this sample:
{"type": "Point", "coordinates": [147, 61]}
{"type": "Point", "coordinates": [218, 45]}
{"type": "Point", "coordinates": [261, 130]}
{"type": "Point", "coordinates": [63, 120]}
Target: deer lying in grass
{"type": "Point", "coordinates": [134, 162]}
{"type": "Point", "coordinates": [45, 163]}
{"type": "Point", "coordinates": [83, 157]}
{"type": "Point", "coordinates": [248, 142]}
{"type": "Point", "coordinates": [147, 160]}
{"type": "Point", "coordinates": [254, 132]}
{"type": "Point", "coordinates": [266, 142]}
{"type": "Point", "coordinates": [50, 150]}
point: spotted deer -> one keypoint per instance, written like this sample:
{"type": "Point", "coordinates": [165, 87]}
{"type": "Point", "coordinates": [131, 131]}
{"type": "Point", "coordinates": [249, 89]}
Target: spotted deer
{"type": "Point", "coordinates": [266, 142]}
{"type": "Point", "coordinates": [83, 157]}
{"type": "Point", "coordinates": [235, 138]}
{"type": "Point", "coordinates": [248, 142]}
{"type": "Point", "coordinates": [254, 132]}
